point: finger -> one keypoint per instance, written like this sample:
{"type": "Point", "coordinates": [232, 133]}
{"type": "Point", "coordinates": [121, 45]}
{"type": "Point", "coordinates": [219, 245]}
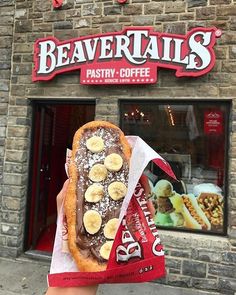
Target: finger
{"type": "Point", "coordinates": [145, 184]}
{"type": "Point", "coordinates": [61, 195]}
{"type": "Point", "coordinates": [65, 186]}
{"type": "Point", "coordinates": [151, 208]}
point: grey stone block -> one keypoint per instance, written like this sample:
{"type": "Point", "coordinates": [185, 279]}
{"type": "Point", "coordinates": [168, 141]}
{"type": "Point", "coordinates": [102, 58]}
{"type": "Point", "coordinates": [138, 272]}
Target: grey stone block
{"type": "Point", "coordinates": [42, 6]}
{"type": "Point", "coordinates": [113, 10]}
{"type": "Point", "coordinates": [222, 270]}
{"type": "Point", "coordinates": [11, 230]}
{"type": "Point", "coordinates": [153, 8]}
{"type": "Point", "coordinates": [23, 26]}
{"type": "Point", "coordinates": [13, 179]}
{"type": "Point", "coordinates": [18, 131]}
{"type": "Point", "coordinates": [179, 281]}
{"type": "Point", "coordinates": [229, 257]}
{"type": "Point", "coordinates": [91, 9]}
{"type": "Point", "coordinates": [227, 286]}
{"type": "Point", "coordinates": [175, 7]}
{"type": "Point", "coordinates": [173, 263]}
{"type": "Point", "coordinates": [63, 25]}
{"type": "Point", "coordinates": [5, 65]}
{"type": "Point", "coordinates": [6, 3]}
{"type": "Point", "coordinates": [196, 3]}
{"type": "Point", "coordinates": [2, 131]}
{"type": "Point", "coordinates": [9, 203]}
{"type": "Point", "coordinates": [11, 217]}
{"type": "Point", "coordinates": [194, 269]}
{"type": "Point", "coordinates": [206, 255]}
{"type": "Point", "coordinates": [14, 191]}
{"type": "Point", "coordinates": [205, 284]}
{"type": "Point", "coordinates": [17, 156]}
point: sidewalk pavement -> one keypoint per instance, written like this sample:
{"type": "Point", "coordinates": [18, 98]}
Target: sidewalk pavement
{"type": "Point", "coordinates": [28, 277]}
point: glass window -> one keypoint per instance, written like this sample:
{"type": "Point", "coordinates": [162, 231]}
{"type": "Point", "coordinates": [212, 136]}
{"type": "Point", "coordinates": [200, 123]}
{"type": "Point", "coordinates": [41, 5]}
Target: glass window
{"type": "Point", "coordinates": [193, 138]}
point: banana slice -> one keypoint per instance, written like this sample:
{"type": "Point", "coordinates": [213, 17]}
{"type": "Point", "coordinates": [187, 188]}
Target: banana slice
{"type": "Point", "coordinates": [92, 221]}
{"type": "Point", "coordinates": [94, 193]}
{"type": "Point", "coordinates": [117, 190]}
{"type": "Point", "coordinates": [105, 250]}
{"type": "Point", "coordinates": [95, 144]}
{"type": "Point", "coordinates": [110, 228]}
{"type": "Point", "coordinates": [113, 162]}
{"type": "Point", "coordinates": [98, 173]}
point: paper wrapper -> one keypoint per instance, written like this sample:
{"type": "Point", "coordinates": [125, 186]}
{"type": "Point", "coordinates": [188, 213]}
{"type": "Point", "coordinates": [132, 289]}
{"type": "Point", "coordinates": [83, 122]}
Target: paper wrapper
{"type": "Point", "coordinates": [137, 254]}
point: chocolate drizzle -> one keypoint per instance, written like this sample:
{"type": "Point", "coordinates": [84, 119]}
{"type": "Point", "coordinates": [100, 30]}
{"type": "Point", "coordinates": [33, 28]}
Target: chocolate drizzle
{"type": "Point", "coordinates": [107, 207]}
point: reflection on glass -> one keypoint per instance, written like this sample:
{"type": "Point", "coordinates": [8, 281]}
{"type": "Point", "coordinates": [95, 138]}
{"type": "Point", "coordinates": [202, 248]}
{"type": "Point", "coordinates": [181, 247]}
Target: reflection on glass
{"type": "Point", "coordinates": [192, 137]}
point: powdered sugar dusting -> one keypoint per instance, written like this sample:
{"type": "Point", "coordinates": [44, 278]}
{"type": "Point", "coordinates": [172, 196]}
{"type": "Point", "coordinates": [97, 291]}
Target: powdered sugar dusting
{"type": "Point", "coordinates": [85, 160]}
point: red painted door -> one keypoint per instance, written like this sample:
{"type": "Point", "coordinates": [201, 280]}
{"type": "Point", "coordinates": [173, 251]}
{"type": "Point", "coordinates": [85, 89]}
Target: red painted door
{"type": "Point", "coordinates": [43, 176]}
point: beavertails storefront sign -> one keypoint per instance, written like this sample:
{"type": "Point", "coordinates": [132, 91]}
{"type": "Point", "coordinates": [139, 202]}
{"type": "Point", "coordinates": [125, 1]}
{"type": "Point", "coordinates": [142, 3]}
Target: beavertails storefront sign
{"type": "Point", "coordinates": [128, 57]}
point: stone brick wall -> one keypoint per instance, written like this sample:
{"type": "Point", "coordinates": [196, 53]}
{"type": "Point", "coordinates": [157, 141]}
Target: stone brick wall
{"type": "Point", "coordinates": [7, 11]}
{"type": "Point", "coordinates": [200, 262]}
{"type": "Point", "coordinates": [193, 261]}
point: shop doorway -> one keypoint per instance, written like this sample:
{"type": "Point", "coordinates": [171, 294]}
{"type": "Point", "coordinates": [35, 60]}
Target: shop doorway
{"type": "Point", "coordinates": [54, 125]}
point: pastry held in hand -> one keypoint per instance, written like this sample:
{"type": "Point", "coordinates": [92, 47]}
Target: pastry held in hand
{"type": "Point", "coordinates": [98, 183]}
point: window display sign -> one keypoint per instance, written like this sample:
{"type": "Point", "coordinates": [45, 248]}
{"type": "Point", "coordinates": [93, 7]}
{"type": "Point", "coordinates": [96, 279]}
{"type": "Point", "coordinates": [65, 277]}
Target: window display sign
{"type": "Point", "coordinates": [213, 122]}
{"type": "Point", "coordinates": [128, 57]}
{"type": "Point", "coordinates": [203, 211]}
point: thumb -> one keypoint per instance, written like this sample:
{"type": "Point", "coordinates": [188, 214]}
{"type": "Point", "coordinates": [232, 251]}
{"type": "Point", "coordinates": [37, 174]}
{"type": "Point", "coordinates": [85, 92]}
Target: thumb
{"type": "Point", "coordinates": [61, 195]}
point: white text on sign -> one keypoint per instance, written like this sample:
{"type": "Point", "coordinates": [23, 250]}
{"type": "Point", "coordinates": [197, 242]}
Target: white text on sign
{"type": "Point", "coordinates": [123, 73]}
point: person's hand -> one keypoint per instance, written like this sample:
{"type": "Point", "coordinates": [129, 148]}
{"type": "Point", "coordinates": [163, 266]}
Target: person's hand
{"type": "Point", "coordinates": [87, 290]}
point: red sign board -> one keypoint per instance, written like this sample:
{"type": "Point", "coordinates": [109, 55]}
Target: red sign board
{"type": "Point", "coordinates": [131, 56]}
{"type": "Point", "coordinates": [213, 122]}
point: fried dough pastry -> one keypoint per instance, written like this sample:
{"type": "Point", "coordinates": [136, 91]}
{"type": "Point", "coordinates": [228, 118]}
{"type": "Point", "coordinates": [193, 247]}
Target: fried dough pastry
{"type": "Point", "coordinates": [98, 183]}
